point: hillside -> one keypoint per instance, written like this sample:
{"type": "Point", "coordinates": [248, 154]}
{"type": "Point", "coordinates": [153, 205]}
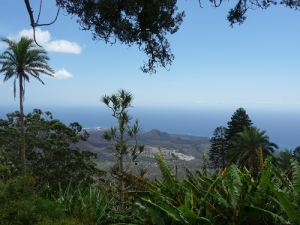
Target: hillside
{"type": "Point", "coordinates": [188, 149]}
{"type": "Point", "coordinates": [156, 135]}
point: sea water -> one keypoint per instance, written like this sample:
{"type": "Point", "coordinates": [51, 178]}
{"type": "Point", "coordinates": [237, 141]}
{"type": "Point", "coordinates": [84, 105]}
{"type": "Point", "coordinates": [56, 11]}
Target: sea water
{"type": "Point", "coordinates": [283, 127]}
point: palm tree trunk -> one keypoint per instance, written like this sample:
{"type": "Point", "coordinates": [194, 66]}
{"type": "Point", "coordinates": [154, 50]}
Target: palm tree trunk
{"type": "Point", "coordinates": [23, 157]}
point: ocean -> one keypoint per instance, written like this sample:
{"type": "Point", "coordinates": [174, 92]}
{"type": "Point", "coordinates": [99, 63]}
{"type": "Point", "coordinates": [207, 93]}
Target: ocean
{"type": "Point", "coordinates": [283, 127]}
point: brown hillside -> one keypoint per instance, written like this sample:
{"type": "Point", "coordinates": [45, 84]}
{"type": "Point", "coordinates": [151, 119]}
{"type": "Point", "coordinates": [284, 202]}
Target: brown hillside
{"type": "Point", "coordinates": [179, 140]}
{"type": "Point", "coordinates": [157, 135]}
{"type": "Point", "coordinates": [97, 139]}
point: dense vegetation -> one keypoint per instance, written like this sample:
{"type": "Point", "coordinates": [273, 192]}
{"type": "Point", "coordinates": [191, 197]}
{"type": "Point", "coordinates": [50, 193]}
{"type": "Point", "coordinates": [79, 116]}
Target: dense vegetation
{"type": "Point", "coordinates": [233, 196]}
{"type": "Point", "coordinates": [63, 186]}
{"type": "Point", "coordinates": [43, 180]}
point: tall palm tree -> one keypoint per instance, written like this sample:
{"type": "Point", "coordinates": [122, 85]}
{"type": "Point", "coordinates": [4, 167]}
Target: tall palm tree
{"type": "Point", "coordinates": [245, 147]}
{"type": "Point", "coordinates": [20, 60]}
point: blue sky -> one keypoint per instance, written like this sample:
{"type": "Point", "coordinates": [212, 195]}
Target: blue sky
{"type": "Point", "coordinates": [255, 65]}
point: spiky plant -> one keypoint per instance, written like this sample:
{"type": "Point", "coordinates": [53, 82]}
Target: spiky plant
{"type": "Point", "coordinates": [126, 154]}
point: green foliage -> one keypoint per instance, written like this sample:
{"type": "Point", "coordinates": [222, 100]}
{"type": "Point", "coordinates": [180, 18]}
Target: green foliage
{"type": "Point", "coordinates": [205, 167]}
{"type": "Point", "coordinates": [144, 23]}
{"type": "Point", "coordinates": [90, 206]}
{"type": "Point", "coordinates": [239, 120]}
{"type": "Point", "coordinates": [20, 204]}
{"type": "Point", "coordinates": [126, 154]}
{"type": "Point", "coordinates": [218, 149]}
{"type": "Point", "coordinates": [20, 60]}
{"type": "Point", "coordinates": [285, 197]}
{"type": "Point", "coordinates": [237, 14]}
{"type": "Point", "coordinates": [238, 195]}
{"type": "Point", "coordinates": [296, 154]}
{"type": "Point", "coordinates": [231, 197]}
{"type": "Point", "coordinates": [244, 149]}
{"type": "Point", "coordinates": [49, 154]}
{"type": "Point", "coordinates": [284, 161]}
{"type": "Point", "coordinates": [65, 221]}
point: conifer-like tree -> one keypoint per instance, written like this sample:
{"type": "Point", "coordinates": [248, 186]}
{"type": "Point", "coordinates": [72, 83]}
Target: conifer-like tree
{"type": "Point", "coordinates": [218, 149]}
{"type": "Point", "coordinates": [296, 153]}
{"type": "Point", "coordinates": [239, 120]}
{"type": "Point", "coordinates": [125, 153]}
{"type": "Point", "coordinates": [284, 161]}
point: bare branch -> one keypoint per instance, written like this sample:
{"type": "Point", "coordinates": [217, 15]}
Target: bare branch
{"type": "Point", "coordinates": [39, 12]}
{"type": "Point", "coordinates": [200, 4]}
{"type": "Point", "coordinates": [30, 12]}
{"type": "Point", "coordinates": [216, 4]}
{"type": "Point", "coordinates": [35, 24]}
{"type": "Point", "coordinates": [47, 24]}
{"type": "Point", "coordinates": [34, 37]}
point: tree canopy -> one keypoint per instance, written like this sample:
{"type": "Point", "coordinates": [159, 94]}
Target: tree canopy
{"type": "Point", "coordinates": [284, 160]}
{"type": "Point", "coordinates": [125, 153]}
{"type": "Point", "coordinates": [50, 156]}
{"type": "Point", "coordinates": [21, 60]}
{"type": "Point", "coordinates": [218, 149]}
{"type": "Point", "coordinates": [142, 22]}
{"type": "Point", "coordinates": [239, 120]}
{"type": "Point", "coordinates": [244, 148]}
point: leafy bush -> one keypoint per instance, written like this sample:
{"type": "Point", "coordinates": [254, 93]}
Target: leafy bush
{"type": "Point", "coordinates": [48, 151]}
{"type": "Point", "coordinates": [20, 203]}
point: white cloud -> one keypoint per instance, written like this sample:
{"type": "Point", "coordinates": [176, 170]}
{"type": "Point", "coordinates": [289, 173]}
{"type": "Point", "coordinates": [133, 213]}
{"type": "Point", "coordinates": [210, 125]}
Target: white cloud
{"type": "Point", "coordinates": [1, 82]}
{"type": "Point", "coordinates": [200, 102]}
{"type": "Point", "coordinates": [62, 74]}
{"type": "Point", "coordinates": [43, 38]}
{"type": "Point", "coordinates": [63, 46]}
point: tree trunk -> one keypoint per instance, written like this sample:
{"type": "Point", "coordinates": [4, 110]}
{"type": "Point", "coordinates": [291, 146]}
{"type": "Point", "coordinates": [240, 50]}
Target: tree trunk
{"type": "Point", "coordinates": [23, 157]}
{"type": "Point", "coordinates": [122, 186]}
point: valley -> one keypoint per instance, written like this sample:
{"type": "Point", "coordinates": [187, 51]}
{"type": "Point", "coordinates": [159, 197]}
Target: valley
{"type": "Point", "coordinates": [187, 148]}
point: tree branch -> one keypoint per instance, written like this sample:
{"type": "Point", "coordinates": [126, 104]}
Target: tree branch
{"type": "Point", "coordinates": [35, 24]}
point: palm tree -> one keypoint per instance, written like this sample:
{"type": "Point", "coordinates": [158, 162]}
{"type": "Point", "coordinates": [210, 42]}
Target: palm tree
{"type": "Point", "coordinates": [245, 147]}
{"type": "Point", "coordinates": [20, 60]}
